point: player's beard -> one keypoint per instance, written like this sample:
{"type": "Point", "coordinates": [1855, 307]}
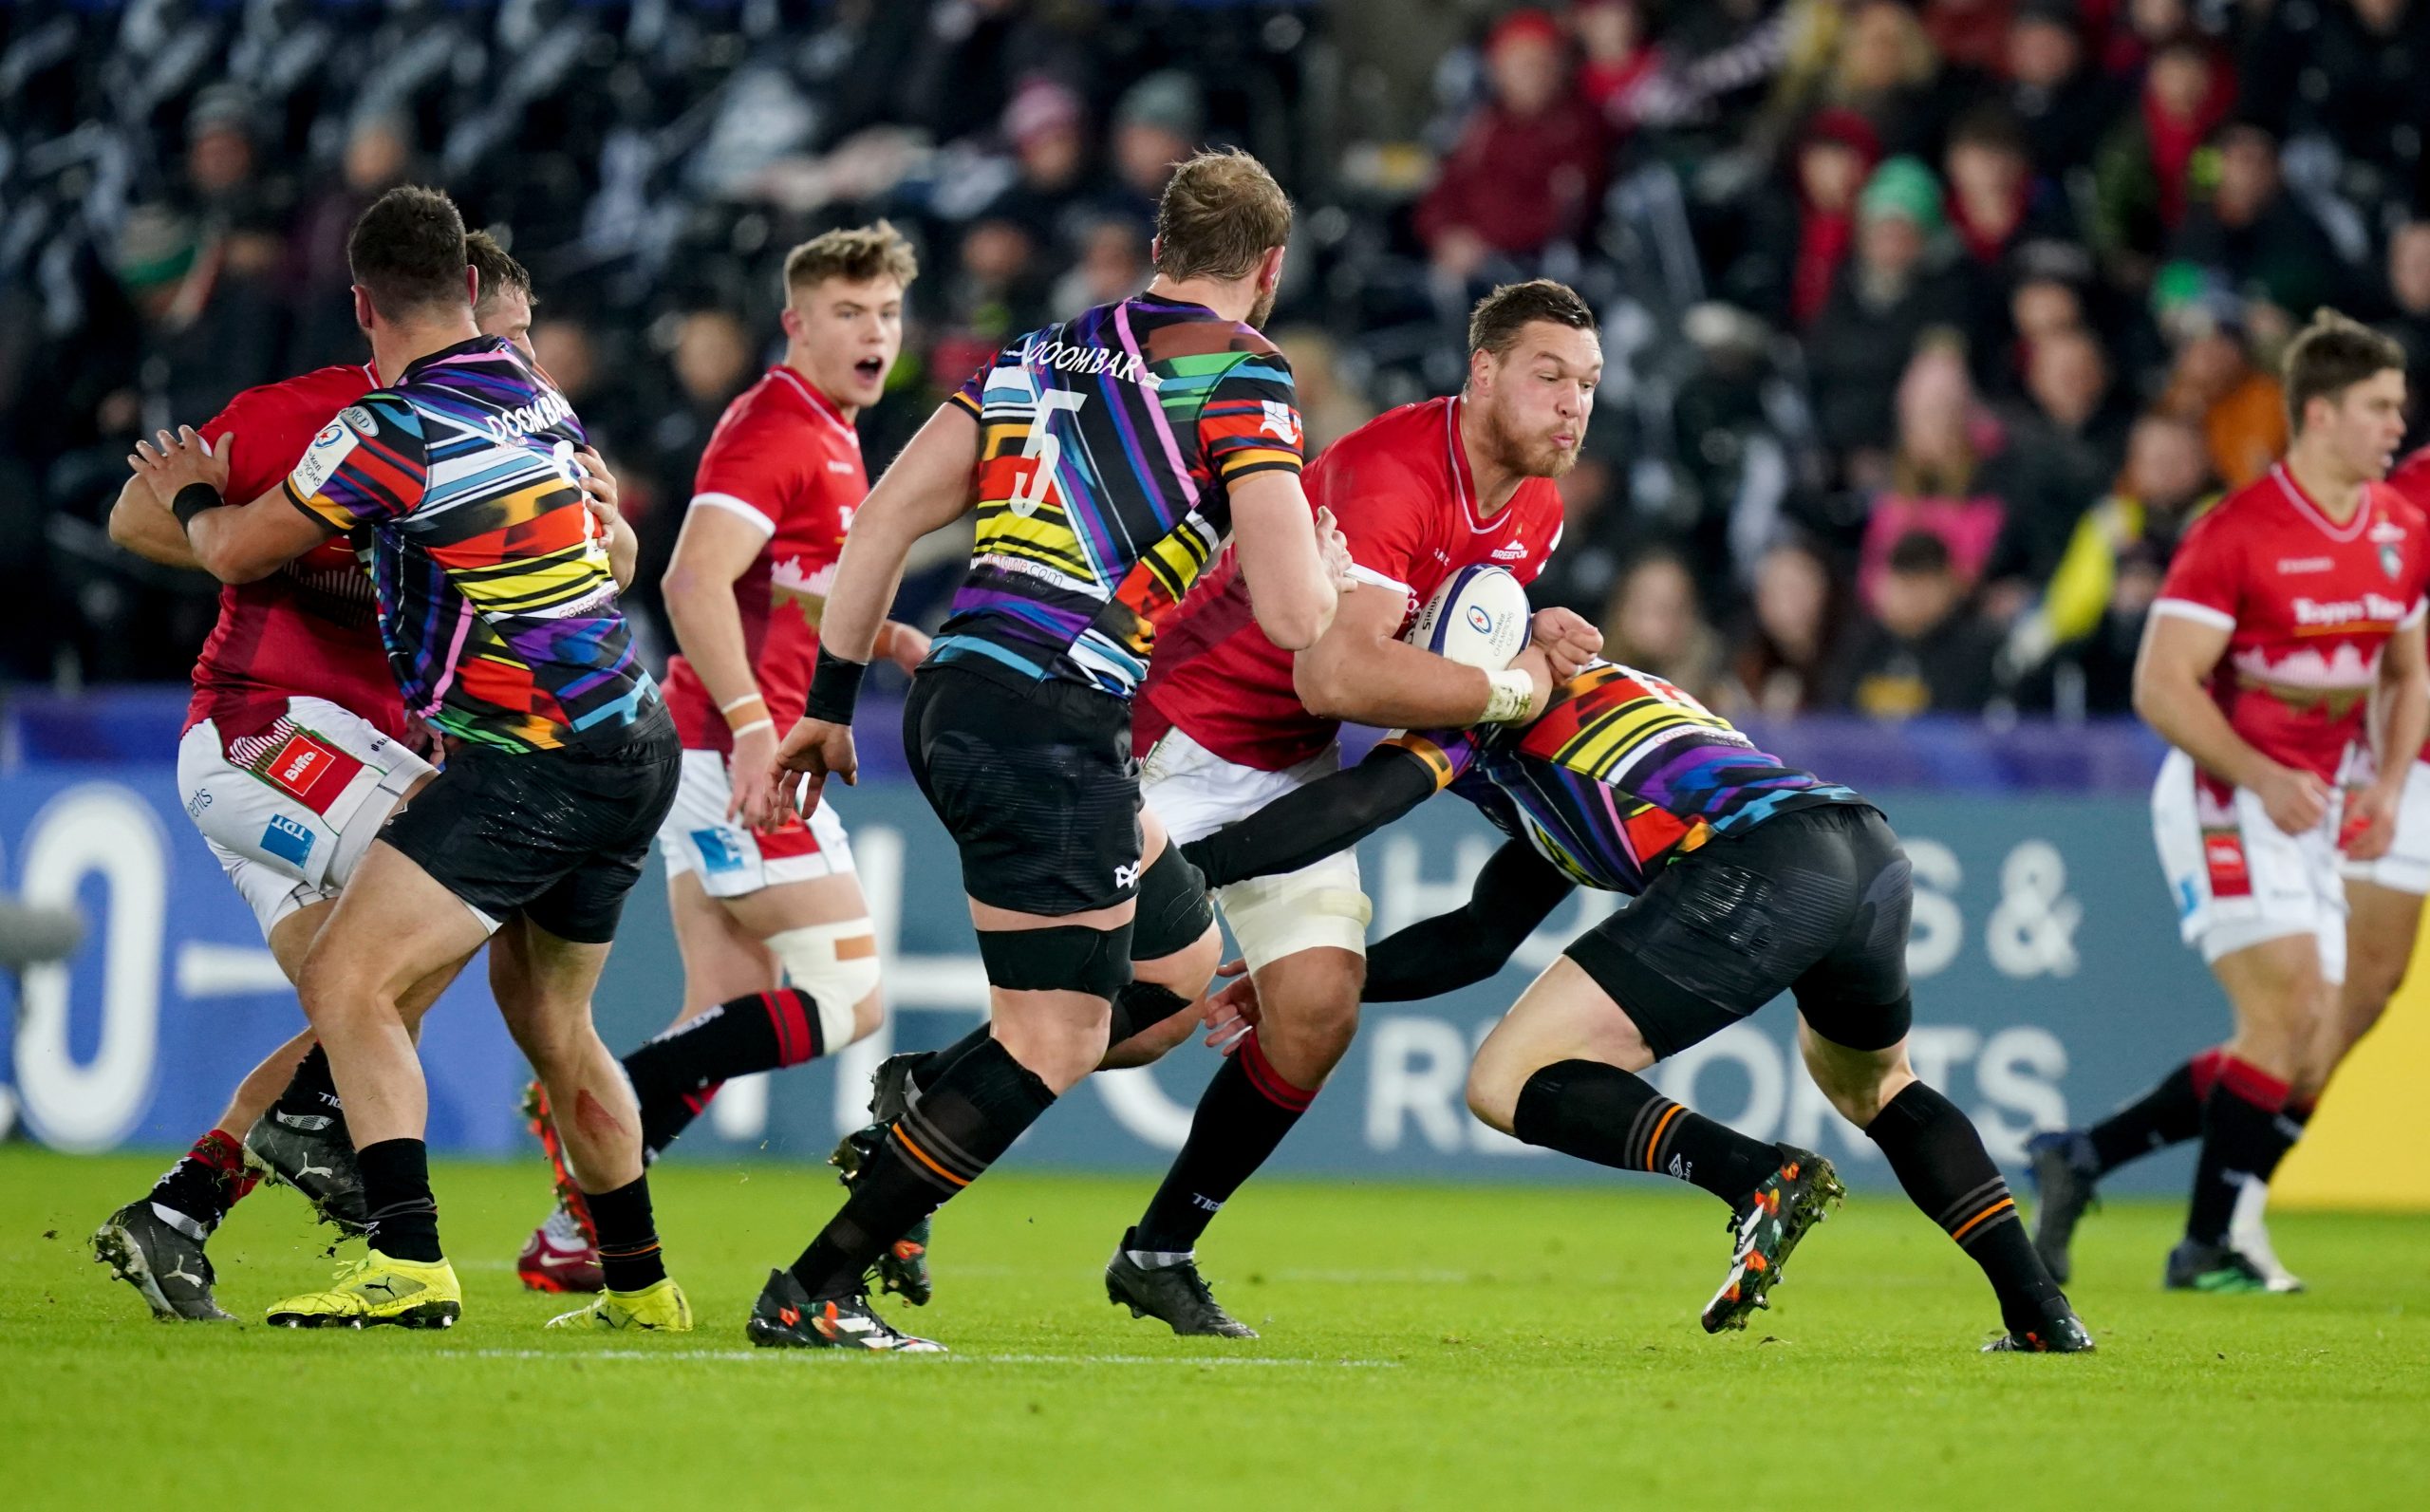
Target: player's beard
{"type": "Point", "coordinates": [1527, 456]}
{"type": "Point", "coordinates": [1263, 308]}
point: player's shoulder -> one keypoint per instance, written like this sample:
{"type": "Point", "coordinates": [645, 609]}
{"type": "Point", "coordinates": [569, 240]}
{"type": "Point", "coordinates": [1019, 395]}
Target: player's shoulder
{"type": "Point", "coordinates": [2257, 507]}
{"type": "Point", "coordinates": [317, 394]}
{"type": "Point", "coordinates": [2410, 477]}
{"type": "Point", "coordinates": [1412, 436]}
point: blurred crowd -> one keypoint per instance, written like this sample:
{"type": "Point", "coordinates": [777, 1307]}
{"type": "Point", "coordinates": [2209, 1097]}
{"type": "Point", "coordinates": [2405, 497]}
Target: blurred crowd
{"type": "Point", "coordinates": [1929, 323]}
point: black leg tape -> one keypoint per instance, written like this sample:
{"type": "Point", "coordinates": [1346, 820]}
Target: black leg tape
{"type": "Point", "coordinates": [1142, 1005]}
{"type": "Point", "coordinates": [1174, 909]}
{"type": "Point", "coordinates": [1066, 957]}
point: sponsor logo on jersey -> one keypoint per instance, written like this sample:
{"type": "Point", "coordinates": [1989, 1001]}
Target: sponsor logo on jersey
{"type": "Point", "coordinates": [1515, 551]}
{"type": "Point", "coordinates": [836, 464]}
{"type": "Point", "coordinates": [1065, 357]}
{"type": "Point", "coordinates": [2290, 566]}
{"type": "Point", "coordinates": [2386, 531]}
{"type": "Point", "coordinates": [356, 415]}
{"type": "Point", "coordinates": [291, 840]}
{"type": "Point", "coordinates": [2348, 612]}
{"type": "Point", "coordinates": [331, 447]}
{"type": "Point", "coordinates": [1279, 422]}
{"type": "Point", "coordinates": [523, 420]}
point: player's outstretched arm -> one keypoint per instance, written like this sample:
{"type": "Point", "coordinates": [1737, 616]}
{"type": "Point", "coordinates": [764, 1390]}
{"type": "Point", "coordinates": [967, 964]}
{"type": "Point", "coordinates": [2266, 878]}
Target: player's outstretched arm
{"type": "Point", "coordinates": [1361, 671]}
{"type": "Point", "coordinates": [1308, 824]}
{"type": "Point", "coordinates": [2172, 693]}
{"type": "Point", "coordinates": [1517, 891]}
{"type": "Point", "coordinates": [1292, 587]}
{"type": "Point", "coordinates": [234, 543]}
{"type": "Point", "coordinates": [138, 524]}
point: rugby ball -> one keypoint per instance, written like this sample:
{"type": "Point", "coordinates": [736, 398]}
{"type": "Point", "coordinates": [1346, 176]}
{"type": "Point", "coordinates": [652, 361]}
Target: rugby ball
{"type": "Point", "coordinates": [1477, 618]}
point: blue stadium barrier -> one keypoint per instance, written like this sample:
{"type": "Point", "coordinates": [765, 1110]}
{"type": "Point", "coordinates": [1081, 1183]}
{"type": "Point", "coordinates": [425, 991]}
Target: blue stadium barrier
{"type": "Point", "coordinates": [2049, 986]}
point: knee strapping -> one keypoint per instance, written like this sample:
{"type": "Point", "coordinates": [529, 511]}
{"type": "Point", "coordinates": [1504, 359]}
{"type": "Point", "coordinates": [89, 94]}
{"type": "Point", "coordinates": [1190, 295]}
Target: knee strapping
{"type": "Point", "coordinates": [1064, 958]}
{"type": "Point", "coordinates": [1139, 1005]}
{"type": "Point", "coordinates": [1174, 909]}
{"type": "Point", "coordinates": [836, 964]}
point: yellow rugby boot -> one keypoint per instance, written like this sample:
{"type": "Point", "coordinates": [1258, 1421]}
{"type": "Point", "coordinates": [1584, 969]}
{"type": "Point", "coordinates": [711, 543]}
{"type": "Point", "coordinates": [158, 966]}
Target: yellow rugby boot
{"type": "Point", "coordinates": [378, 1289]}
{"type": "Point", "coordinates": [659, 1307]}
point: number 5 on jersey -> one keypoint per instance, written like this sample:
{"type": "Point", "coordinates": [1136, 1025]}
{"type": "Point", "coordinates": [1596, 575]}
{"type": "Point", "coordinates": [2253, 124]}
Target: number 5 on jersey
{"type": "Point", "coordinates": [1042, 450]}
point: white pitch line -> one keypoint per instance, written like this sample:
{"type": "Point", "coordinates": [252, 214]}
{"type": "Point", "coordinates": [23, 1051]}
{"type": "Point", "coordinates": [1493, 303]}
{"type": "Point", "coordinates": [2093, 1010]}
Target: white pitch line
{"type": "Point", "coordinates": [966, 1359]}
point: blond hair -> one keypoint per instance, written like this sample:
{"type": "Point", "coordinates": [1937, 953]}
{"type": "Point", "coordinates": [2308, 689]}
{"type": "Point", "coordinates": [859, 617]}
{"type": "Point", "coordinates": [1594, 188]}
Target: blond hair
{"type": "Point", "coordinates": [853, 254]}
{"type": "Point", "coordinates": [1219, 214]}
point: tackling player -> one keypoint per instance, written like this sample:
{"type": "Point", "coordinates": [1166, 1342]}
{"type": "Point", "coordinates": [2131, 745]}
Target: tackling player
{"type": "Point", "coordinates": [294, 753]}
{"type": "Point", "coordinates": [779, 956]}
{"type": "Point", "coordinates": [1110, 457]}
{"type": "Point", "coordinates": [1421, 493]}
{"type": "Point", "coordinates": [1751, 878]}
{"type": "Point", "coordinates": [2287, 609]}
{"type": "Point", "coordinates": [501, 617]}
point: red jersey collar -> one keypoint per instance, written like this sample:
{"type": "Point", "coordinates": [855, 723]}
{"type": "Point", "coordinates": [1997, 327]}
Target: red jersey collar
{"type": "Point", "coordinates": [819, 403]}
{"type": "Point", "coordinates": [2306, 506]}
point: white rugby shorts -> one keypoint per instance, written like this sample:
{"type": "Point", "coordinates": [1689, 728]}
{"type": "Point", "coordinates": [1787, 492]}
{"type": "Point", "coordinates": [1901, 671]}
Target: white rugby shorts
{"type": "Point", "coordinates": [733, 861]}
{"type": "Point", "coordinates": [2407, 866]}
{"type": "Point", "coordinates": [290, 812]}
{"type": "Point", "coordinates": [1196, 793]}
{"type": "Point", "coordinates": [2238, 879]}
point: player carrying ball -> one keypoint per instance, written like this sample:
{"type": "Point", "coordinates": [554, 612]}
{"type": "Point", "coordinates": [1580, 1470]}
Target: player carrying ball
{"type": "Point", "coordinates": [1752, 879]}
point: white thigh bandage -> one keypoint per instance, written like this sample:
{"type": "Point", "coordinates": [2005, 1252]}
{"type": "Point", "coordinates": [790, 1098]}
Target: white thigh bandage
{"type": "Point", "coordinates": [835, 963]}
{"type": "Point", "coordinates": [1317, 905]}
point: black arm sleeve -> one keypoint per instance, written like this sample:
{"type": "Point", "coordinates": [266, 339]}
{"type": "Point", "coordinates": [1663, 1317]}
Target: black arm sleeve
{"type": "Point", "coordinates": [1303, 826]}
{"type": "Point", "coordinates": [1517, 891]}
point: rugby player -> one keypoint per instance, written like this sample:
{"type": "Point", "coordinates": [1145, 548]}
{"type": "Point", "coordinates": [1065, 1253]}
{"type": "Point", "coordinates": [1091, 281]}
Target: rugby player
{"type": "Point", "coordinates": [294, 753]}
{"type": "Point", "coordinates": [499, 614]}
{"type": "Point", "coordinates": [1231, 720]}
{"type": "Point", "coordinates": [1751, 878]}
{"type": "Point", "coordinates": [2287, 611]}
{"type": "Point", "coordinates": [779, 956]}
{"type": "Point", "coordinates": [1110, 457]}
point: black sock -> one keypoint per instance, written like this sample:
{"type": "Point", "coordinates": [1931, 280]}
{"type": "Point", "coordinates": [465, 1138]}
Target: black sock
{"type": "Point", "coordinates": [396, 1191]}
{"type": "Point", "coordinates": [1241, 1117]}
{"type": "Point", "coordinates": [1939, 1159]}
{"type": "Point", "coordinates": [628, 1254]}
{"type": "Point", "coordinates": [932, 1065]}
{"type": "Point", "coordinates": [962, 1124]}
{"type": "Point", "coordinates": [2170, 1113]}
{"type": "Point", "coordinates": [309, 1102]}
{"type": "Point", "coordinates": [2241, 1142]}
{"type": "Point", "coordinates": [1613, 1117]}
{"type": "Point", "coordinates": [205, 1182]}
{"type": "Point", "coordinates": [676, 1074]}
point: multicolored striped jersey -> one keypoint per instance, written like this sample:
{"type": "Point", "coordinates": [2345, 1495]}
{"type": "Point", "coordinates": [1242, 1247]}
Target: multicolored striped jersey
{"type": "Point", "coordinates": [1619, 774]}
{"type": "Point", "coordinates": [497, 606]}
{"type": "Point", "coordinates": [1108, 445]}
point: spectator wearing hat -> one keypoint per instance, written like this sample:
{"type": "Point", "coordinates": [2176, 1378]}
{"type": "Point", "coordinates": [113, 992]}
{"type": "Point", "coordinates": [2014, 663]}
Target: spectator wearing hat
{"type": "Point", "coordinates": [1897, 286]}
{"type": "Point", "coordinates": [1922, 648]}
{"type": "Point", "coordinates": [2212, 382]}
{"type": "Point", "coordinates": [1796, 241]}
{"type": "Point", "coordinates": [1528, 168]}
{"type": "Point", "coordinates": [1158, 121]}
{"type": "Point", "coordinates": [1053, 196]}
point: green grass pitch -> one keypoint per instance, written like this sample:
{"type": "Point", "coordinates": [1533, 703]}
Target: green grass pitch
{"type": "Point", "coordinates": [1424, 1346]}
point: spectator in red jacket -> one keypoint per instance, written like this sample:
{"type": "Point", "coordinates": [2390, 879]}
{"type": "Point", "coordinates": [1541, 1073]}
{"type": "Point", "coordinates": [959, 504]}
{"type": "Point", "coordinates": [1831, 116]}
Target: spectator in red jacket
{"type": "Point", "coordinates": [1528, 169]}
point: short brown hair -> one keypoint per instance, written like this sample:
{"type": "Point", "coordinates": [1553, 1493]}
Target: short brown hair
{"type": "Point", "coordinates": [853, 254]}
{"type": "Point", "coordinates": [2331, 355]}
{"type": "Point", "coordinates": [1220, 213]}
{"type": "Point", "coordinates": [501, 273]}
{"type": "Point", "coordinates": [1495, 323]}
{"type": "Point", "coordinates": [407, 251]}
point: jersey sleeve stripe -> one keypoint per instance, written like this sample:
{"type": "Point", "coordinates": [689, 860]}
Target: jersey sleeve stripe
{"type": "Point", "coordinates": [1368, 574]}
{"type": "Point", "coordinates": [319, 511]}
{"type": "Point", "coordinates": [2420, 610]}
{"type": "Point", "coordinates": [733, 504]}
{"type": "Point", "coordinates": [2200, 613]}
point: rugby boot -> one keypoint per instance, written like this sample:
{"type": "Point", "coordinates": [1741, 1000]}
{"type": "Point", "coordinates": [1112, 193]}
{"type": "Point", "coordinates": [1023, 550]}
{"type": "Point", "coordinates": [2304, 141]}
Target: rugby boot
{"type": "Point", "coordinates": [544, 1128]}
{"type": "Point", "coordinates": [1767, 1227]}
{"type": "Point", "coordinates": [903, 1267]}
{"type": "Point", "coordinates": [311, 1153]}
{"type": "Point", "coordinates": [785, 1317]}
{"type": "Point", "coordinates": [2249, 1236]}
{"type": "Point", "coordinates": [559, 1257]}
{"type": "Point", "coordinates": [2197, 1267]}
{"type": "Point", "coordinates": [2063, 1174]}
{"type": "Point", "coordinates": [159, 1252]}
{"type": "Point", "coordinates": [2061, 1332]}
{"type": "Point", "coordinates": [658, 1307]}
{"type": "Point", "coordinates": [378, 1289]}
{"type": "Point", "coordinates": [1174, 1295]}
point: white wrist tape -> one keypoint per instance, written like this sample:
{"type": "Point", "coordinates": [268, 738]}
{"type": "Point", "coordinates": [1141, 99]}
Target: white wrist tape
{"type": "Point", "coordinates": [1512, 691]}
